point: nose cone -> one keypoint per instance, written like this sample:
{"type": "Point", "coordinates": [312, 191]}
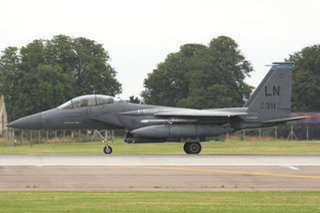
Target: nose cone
{"type": "Point", "coordinates": [29, 122]}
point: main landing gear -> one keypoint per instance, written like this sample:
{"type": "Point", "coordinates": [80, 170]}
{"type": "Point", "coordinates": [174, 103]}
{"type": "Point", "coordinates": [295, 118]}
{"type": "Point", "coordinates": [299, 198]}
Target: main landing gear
{"type": "Point", "coordinates": [106, 149]}
{"type": "Point", "coordinates": [192, 147]}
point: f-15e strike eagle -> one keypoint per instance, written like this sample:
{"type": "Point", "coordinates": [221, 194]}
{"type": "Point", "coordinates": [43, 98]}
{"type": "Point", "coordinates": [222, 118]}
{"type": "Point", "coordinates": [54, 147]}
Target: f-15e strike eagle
{"type": "Point", "coordinates": [270, 104]}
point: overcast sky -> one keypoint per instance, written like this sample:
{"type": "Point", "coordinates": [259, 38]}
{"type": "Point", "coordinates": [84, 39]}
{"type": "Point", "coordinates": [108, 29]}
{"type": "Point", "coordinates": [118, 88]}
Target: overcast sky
{"type": "Point", "coordinates": [140, 34]}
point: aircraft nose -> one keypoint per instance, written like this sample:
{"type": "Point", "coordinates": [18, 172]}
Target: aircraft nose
{"type": "Point", "coordinates": [28, 122]}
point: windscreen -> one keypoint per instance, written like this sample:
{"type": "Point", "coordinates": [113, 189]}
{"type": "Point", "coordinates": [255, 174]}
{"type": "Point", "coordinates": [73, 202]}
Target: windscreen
{"type": "Point", "coordinates": [88, 100]}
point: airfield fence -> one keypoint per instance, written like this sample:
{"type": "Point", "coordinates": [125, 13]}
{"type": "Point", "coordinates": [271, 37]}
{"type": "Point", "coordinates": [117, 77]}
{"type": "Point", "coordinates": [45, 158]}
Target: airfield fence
{"type": "Point", "coordinates": [296, 131]}
{"type": "Point", "coordinates": [18, 136]}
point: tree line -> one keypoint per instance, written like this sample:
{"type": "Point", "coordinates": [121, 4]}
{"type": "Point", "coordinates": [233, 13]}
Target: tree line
{"type": "Point", "coordinates": [46, 73]}
{"type": "Point", "coordinates": [212, 76]}
{"type": "Point", "coordinates": [200, 76]}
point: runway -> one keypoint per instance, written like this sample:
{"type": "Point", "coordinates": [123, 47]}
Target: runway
{"type": "Point", "coordinates": [160, 172]}
{"type": "Point", "coordinates": [160, 160]}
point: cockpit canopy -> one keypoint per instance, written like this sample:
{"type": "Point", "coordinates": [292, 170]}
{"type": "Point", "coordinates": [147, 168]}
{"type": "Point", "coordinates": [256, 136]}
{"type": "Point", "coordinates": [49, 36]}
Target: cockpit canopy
{"type": "Point", "coordinates": [88, 100]}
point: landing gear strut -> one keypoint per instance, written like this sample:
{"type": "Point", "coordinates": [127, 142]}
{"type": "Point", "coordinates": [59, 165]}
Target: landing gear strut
{"type": "Point", "coordinates": [192, 147]}
{"type": "Point", "coordinates": [106, 149]}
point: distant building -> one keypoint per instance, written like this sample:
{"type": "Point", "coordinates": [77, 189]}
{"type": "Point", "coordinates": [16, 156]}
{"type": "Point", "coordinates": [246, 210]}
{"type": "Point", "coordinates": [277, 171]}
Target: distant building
{"type": "Point", "coordinates": [3, 117]}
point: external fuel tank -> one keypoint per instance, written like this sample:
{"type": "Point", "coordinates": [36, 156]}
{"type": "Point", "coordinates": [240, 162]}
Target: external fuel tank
{"type": "Point", "coordinates": [180, 130]}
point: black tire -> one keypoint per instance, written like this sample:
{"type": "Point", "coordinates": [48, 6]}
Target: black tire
{"type": "Point", "coordinates": [192, 147]}
{"type": "Point", "coordinates": [186, 148]}
{"type": "Point", "coordinates": [109, 150]}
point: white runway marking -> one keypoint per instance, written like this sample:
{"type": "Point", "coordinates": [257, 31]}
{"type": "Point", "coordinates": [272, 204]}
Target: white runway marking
{"type": "Point", "coordinates": [292, 167]}
{"type": "Point", "coordinates": [161, 160]}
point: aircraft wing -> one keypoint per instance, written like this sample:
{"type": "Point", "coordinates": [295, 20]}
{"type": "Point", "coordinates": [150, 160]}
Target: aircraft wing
{"type": "Point", "coordinates": [198, 113]}
{"type": "Point", "coordinates": [183, 115]}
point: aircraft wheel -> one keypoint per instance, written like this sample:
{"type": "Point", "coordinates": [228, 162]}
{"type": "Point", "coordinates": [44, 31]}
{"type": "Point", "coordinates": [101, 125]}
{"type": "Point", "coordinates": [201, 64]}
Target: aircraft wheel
{"type": "Point", "coordinates": [186, 148]}
{"type": "Point", "coordinates": [192, 147]}
{"type": "Point", "coordinates": [107, 151]}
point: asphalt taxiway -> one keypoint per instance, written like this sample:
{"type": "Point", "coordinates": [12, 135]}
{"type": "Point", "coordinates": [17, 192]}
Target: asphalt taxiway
{"type": "Point", "coordinates": [160, 172]}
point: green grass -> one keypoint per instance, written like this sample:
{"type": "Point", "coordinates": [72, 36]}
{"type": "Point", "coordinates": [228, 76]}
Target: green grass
{"type": "Point", "coordinates": [160, 202]}
{"type": "Point", "coordinates": [228, 147]}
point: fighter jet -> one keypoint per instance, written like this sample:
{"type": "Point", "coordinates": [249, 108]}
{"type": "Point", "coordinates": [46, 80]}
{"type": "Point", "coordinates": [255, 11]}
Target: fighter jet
{"type": "Point", "coordinates": [270, 104]}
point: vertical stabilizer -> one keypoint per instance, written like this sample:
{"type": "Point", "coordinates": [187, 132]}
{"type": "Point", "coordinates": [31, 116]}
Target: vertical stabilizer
{"type": "Point", "coordinates": [272, 98]}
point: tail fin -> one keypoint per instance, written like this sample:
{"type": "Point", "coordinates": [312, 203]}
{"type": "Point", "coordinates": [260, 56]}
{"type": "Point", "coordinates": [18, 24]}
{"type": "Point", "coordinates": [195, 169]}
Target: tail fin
{"type": "Point", "coordinates": [272, 98]}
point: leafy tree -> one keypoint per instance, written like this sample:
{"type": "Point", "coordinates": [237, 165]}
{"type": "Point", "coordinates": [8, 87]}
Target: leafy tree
{"type": "Point", "coordinates": [10, 77]}
{"type": "Point", "coordinates": [46, 73]}
{"type": "Point", "coordinates": [200, 76]}
{"type": "Point", "coordinates": [133, 99]}
{"type": "Point", "coordinates": [306, 79]}
{"type": "Point", "coordinates": [87, 62]}
{"type": "Point", "coordinates": [47, 86]}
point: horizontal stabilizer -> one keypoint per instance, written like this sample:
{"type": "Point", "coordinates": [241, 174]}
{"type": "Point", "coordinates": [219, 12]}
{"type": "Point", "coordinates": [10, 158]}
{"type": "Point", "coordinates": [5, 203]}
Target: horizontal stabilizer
{"type": "Point", "coordinates": [283, 120]}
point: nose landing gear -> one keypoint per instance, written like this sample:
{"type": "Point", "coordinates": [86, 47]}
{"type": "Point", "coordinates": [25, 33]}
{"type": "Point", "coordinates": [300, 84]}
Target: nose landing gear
{"type": "Point", "coordinates": [106, 149]}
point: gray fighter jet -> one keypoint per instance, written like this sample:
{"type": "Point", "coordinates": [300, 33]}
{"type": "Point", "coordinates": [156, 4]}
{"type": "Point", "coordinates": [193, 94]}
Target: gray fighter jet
{"type": "Point", "coordinates": [270, 104]}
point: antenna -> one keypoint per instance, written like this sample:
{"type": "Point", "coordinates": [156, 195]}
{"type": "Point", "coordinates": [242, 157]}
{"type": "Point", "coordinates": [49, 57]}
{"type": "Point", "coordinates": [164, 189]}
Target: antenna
{"type": "Point", "coordinates": [284, 64]}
